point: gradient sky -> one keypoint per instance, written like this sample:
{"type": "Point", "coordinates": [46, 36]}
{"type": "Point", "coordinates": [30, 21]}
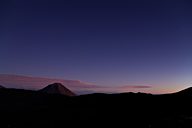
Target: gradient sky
{"type": "Point", "coordinates": [136, 42]}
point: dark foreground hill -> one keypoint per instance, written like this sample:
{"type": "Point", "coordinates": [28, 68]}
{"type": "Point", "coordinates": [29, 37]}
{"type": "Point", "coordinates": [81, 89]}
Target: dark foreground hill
{"type": "Point", "coordinates": [29, 109]}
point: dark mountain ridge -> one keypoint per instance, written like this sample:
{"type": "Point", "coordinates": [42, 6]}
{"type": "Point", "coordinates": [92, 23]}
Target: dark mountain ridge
{"type": "Point", "coordinates": [1, 86]}
{"type": "Point", "coordinates": [185, 92]}
{"type": "Point", "coordinates": [36, 109]}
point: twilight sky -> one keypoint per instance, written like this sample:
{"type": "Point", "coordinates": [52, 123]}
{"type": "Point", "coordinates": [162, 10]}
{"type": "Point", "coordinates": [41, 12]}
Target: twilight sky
{"type": "Point", "coordinates": [111, 43]}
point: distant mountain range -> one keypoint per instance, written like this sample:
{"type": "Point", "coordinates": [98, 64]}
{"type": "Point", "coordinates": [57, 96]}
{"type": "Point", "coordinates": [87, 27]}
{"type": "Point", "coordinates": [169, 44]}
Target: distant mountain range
{"type": "Point", "coordinates": [59, 88]}
{"type": "Point", "coordinates": [78, 87]}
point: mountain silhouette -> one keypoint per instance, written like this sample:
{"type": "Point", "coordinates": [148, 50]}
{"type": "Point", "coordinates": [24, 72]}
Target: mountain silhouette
{"type": "Point", "coordinates": [57, 88]}
{"type": "Point", "coordinates": [187, 91]}
{"type": "Point", "coordinates": [1, 86]}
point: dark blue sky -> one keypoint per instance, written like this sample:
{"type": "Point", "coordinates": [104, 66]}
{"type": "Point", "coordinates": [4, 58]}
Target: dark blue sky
{"type": "Point", "coordinates": [106, 42]}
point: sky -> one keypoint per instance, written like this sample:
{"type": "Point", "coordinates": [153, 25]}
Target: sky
{"type": "Point", "coordinates": [109, 43]}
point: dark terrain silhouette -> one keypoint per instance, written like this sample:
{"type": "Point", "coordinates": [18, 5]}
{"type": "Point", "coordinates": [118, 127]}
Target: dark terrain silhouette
{"type": "Point", "coordinates": [1, 86]}
{"type": "Point", "coordinates": [187, 91]}
{"type": "Point", "coordinates": [57, 88]}
{"type": "Point", "coordinates": [35, 109]}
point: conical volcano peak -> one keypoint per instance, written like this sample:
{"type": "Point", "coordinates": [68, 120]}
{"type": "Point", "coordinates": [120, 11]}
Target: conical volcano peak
{"type": "Point", "coordinates": [57, 88]}
{"type": "Point", "coordinates": [56, 85]}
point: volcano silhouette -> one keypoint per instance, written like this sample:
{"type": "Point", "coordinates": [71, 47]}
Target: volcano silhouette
{"type": "Point", "coordinates": [57, 88]}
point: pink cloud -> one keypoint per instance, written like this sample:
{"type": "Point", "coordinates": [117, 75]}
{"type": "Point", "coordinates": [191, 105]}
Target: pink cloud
{"type": "Point", "coordinates": [27, 82]}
